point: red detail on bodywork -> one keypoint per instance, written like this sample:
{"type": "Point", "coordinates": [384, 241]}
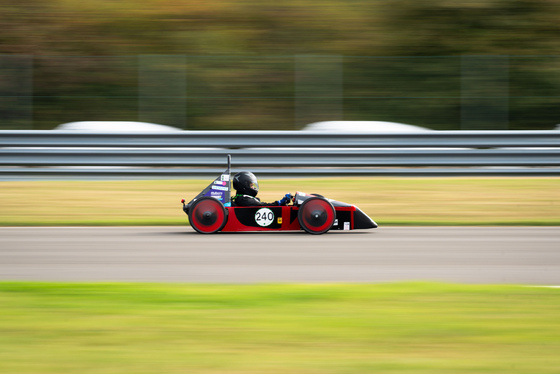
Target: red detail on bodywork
{"type": "Point", "coordinates": [233, 223]}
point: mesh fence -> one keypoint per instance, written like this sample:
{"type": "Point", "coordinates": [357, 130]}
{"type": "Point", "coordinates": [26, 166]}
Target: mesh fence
{"type": "Point", "coordinates": [281, 92]}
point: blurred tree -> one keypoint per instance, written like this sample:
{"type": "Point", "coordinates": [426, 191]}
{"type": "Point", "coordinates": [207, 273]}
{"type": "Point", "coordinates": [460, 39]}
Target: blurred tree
{"type": "Point", "coordinates": [524, 30]}
{"type": "Point", "coordinates": [401, 60]}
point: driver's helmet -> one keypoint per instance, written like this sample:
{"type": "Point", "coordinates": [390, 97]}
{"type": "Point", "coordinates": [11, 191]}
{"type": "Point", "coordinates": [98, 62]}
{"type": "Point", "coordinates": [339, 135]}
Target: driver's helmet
{"type": "Point", "coordinates": [245, 183]}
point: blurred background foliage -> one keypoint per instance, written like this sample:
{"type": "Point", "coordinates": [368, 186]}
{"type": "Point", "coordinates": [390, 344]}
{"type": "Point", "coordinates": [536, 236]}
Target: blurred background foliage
{"type": "Point", "coordinates": [442, 64]}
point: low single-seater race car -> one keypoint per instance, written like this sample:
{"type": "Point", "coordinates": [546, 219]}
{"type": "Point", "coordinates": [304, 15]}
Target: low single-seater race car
{"type": "Point", "coordinates": [212, 210]}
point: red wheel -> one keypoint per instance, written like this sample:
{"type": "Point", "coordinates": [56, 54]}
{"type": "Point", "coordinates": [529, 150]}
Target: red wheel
{"type": "Point", "coordinates": [207, 215]}
{"type": "Point", "coordinates": [316, 215]}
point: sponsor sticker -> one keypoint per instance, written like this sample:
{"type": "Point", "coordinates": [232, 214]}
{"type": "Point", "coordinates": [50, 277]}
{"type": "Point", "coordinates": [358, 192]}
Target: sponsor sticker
{"type": "Point", "coordinates": [219, 188]}
{"type": "Point", "coordinates": [215, 194]}
{"type": "Point", "coordinates": [264, 217]}
{"type": "Point", "coordinates": [220, 183]}
{"type": "Point", "coordinates": [346, 225]}
{"type": "Point", "coordinates": [335, 222]}
{"type": "Point", "coordinates": [225, 177]}
{"type": "Point", "coordinates": [279, 220]}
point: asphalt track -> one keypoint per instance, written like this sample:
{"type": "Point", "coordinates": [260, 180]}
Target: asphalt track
{"type": "Point", "coordinates": [491, 255]}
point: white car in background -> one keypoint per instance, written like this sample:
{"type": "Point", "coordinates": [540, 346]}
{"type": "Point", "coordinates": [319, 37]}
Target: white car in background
{"type": "Point", "coordinates": [362, 126]}
{"type": "Point", "coordinates": [114, 126]}
{"type": "Point", "coordinates": [367, 127]}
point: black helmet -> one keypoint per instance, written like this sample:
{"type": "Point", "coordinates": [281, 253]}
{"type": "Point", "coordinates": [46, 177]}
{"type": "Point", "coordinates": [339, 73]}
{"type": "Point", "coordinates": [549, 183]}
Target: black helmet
{"type": "Point", "coordinates": [245, 183]}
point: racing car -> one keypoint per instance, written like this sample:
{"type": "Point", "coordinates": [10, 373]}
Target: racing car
{"type": "Point", "coordinates": [212, 210]}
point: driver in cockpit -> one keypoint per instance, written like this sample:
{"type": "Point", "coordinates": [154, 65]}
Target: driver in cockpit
{"type": "Point", "coordinates": [247, 187]}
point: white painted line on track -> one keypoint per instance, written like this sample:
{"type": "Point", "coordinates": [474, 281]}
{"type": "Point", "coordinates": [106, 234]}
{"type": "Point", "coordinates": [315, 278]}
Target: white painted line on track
{"type": "Point", "coordinates": [544, 286]}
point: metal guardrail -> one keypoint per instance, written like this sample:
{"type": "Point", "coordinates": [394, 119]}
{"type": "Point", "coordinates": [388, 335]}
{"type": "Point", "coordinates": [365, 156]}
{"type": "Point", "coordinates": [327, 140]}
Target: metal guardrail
{"type": "Point", "coordinates": [279, 139]}
{"type": "Point", "coordinates": [70, 155]}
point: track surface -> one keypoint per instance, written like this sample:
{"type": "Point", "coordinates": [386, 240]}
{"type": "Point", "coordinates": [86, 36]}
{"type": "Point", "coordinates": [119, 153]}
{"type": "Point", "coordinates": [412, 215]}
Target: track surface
{"type": "Point", "coordinates": [515, 255]}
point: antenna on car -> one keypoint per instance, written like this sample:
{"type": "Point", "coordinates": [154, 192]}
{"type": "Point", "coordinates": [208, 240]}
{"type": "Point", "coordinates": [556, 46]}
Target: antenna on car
{"type": "Point", "coordinates": [228, 163]}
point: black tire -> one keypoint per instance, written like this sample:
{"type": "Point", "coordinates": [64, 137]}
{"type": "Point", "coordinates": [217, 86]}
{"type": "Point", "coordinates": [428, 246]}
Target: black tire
{"type": "Point", "coordinates": [207, 215]}
{"type": "Point", "coordinates": [316, 215]}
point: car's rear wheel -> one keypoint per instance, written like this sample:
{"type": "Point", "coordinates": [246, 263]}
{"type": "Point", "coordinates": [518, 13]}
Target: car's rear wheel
{"type": "Point", "coordinates": [316, 215]}
{"type": "Point", "coordinates": [207, 215]}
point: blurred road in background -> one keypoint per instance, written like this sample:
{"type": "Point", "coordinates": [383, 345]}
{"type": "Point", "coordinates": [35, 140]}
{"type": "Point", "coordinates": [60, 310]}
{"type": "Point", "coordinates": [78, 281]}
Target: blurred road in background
{"type": "Point", "coordinates": [513, 255]}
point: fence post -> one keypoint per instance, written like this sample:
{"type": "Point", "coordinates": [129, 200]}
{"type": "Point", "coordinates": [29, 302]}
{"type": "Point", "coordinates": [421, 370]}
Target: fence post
{"type": "Point", "coordinates": [485, 93]}
{"type": "Point", "coordinates": [318, 89]}
{"type": "Point", "coordinates": [16, 92]}
{"type": "Point", "coordinates": [162, 86]}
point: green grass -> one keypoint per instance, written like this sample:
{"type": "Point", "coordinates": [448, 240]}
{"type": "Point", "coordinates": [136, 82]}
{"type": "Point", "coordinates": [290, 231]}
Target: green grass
{"type": "Point", "coordinates": [385, 328]}
{"type": "Point", "coordinates": [389, 201]}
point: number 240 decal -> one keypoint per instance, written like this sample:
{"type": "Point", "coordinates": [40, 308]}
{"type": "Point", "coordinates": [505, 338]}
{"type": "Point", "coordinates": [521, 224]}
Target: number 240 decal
{"type": "Point", "coordinates": [264, 217]}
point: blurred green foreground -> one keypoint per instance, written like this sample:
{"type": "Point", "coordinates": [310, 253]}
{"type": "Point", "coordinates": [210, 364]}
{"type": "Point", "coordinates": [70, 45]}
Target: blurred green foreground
{"type": "Point", "coordinates": [387, 328]}
{"type": "Point", "coordinates": [389, 201]}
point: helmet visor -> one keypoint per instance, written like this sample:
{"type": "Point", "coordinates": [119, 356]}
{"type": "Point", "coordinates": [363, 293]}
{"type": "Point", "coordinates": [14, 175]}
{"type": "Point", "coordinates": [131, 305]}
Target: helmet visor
{"type": "Point", "coordinates": [254, 186]}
